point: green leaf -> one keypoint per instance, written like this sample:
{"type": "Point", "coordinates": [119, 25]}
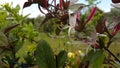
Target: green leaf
{"type": "Point", "coordinates": [98, 60]}
{"type": "Point", "coordinates": [62, 56]}
{"type": "Point", "coordinates": [95, 58]}
{"type": "Point", "coordinates": [29, 59]}
{"type": "Point", "coordinates": [3, 39]}
{"type": "Point", "coordinates": [18, 45]}
{"type": "Point", "coordinates": [44, 55]}
{"type": "Point", "coordinates": [103, 39]}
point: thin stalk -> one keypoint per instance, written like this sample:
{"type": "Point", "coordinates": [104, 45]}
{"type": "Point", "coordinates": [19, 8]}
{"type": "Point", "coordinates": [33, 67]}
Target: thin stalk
{"type": "Point", "coordinates": [111, 53]}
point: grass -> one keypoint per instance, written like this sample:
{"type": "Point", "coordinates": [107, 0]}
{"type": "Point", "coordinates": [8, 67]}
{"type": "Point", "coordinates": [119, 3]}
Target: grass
{"type": "Point", "coordinates": [58, 44]}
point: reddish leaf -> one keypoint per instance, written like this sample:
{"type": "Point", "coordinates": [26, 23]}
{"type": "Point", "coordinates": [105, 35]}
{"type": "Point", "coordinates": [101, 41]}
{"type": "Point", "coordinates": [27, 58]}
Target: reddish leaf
{"type": "Point", "coordinates": [100, 26]}
{"type": "Point", "coordinates": [27, 4]}
{"type": "Point", "coordinates": [78, 15]}
{"type": "Point", "coordinates": [46, 4]}
{"type": "Point", "coordinates": [61, 4]}
{"type": "Point", "coordinates": [116, 29]}
{"type": "Point", "coordinates": [116, 1]}
{"type": "Point", "coordinates": [105, 24]}
{"type": "Point", "coordinates": [66, 5]}
{"type": "Point", "coordinates": [91, 15]}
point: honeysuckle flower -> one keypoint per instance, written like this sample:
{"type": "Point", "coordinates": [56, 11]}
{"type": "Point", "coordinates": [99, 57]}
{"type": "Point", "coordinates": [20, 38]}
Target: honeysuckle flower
{"type": "Point", "coordinates": [73, 23]}
{"type": "Point", "coordinates": [82, 24]}
{"type": "Point", "coordinates": [72, 19]}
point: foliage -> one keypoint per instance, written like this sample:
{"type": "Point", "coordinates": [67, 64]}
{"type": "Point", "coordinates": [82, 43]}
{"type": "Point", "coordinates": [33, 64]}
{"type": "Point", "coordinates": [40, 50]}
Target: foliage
{"type": "Point", "coordinates": [13, 33]}
{"type": "Point", "coordinates": [94, 58]}
{"type": "Point", "coordinates": [45, 56]}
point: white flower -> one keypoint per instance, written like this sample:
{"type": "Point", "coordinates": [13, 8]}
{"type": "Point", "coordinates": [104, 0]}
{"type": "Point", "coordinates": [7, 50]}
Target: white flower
{"type": "Point", "coordinates": [72, 19]}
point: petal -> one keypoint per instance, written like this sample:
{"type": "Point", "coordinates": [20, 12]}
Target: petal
{"type": "Point", "coordinates": [78, 15]}
{"type": "Point", "coordinates": [72, 19]}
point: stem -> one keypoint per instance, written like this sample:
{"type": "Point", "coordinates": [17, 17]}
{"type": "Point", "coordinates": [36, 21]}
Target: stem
{"type": "Point", "coordinates": [111, 53]}
{"type": "Point", "coordinates": [56, 57]}
{"type": "Point", "coordinates": [108, 44]}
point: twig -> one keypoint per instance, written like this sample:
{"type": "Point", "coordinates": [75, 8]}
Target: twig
{"type": "Point", "coordinates": [111, 53]}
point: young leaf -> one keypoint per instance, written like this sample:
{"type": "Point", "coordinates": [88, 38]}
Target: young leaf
{"type": "Point", "coordinates": [44, 55]}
